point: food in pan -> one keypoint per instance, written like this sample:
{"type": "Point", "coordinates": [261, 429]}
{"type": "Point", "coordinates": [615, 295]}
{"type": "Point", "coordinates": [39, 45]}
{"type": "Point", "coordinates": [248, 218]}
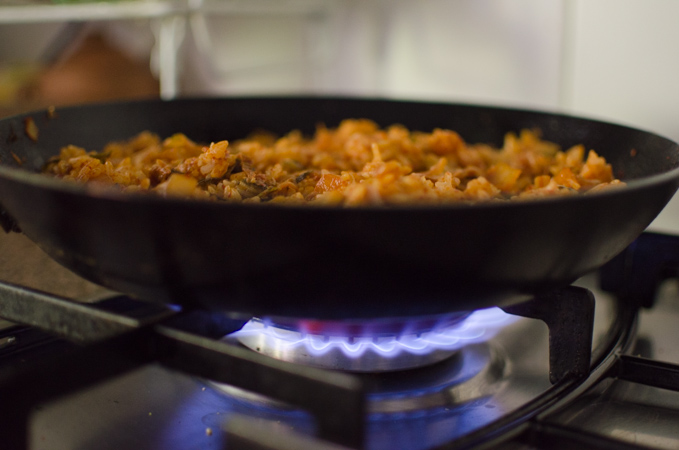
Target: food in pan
{"type": "Point", "coordinates": [356, 163]}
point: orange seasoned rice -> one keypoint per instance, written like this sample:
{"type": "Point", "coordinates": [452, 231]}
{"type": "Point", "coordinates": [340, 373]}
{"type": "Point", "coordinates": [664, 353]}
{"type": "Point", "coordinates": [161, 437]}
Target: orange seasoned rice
{"type": "Point", "coordinates": [356, 163]}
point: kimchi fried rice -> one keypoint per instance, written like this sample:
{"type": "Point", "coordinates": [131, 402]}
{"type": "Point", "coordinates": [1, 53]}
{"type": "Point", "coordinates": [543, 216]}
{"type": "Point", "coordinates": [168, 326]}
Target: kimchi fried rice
{"type": "Point", "coordinates": [356, 163]}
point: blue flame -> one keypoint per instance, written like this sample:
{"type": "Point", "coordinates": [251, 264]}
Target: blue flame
{"type": "Point", "coordinates": [477, 327]}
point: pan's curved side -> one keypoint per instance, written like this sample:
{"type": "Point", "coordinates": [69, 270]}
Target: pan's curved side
{"type": "Point", "coordinates": [332, 263]}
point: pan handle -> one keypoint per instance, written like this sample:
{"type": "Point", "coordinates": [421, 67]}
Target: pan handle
{"type": "Point", "coordinates": [7, 222]}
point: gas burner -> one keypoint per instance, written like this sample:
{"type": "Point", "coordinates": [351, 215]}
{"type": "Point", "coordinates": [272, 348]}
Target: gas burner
{"type": "Point", "coordinates": [473, 373]}
{"type": "Point", "coordinates": [380, 346]}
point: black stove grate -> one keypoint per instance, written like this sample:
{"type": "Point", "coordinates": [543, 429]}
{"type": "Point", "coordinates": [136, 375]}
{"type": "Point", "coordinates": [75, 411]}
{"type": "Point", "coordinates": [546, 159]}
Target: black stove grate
{"type": "Point", "coordinates": [118, 343]}
{"type": "Point", "coordinates": [544, 434]}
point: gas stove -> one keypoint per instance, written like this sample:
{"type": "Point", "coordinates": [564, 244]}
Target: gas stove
{"type": "Point", "coordinates": [587, 365]}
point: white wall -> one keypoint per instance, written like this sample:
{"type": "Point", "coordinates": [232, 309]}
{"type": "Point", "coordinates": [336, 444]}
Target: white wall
{"type": "Point", "coordinates": [625, 62]}
{"type": "Point", "coordinates": [489, 51]}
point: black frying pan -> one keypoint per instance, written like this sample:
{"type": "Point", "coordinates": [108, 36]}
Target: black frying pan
{"type": "Point", "coordinates": [326, 262]}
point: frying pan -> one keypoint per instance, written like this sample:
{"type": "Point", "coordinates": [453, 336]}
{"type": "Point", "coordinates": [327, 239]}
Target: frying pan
{"type": "Point", "coordinates": [326, 262]}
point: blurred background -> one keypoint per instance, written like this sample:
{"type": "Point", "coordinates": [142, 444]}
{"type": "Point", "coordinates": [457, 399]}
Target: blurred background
{"type": "Point", "coordinates": [615, 60]}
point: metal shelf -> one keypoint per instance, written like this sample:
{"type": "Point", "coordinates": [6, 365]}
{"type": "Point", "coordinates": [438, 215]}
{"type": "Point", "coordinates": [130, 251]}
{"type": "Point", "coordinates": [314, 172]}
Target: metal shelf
{"type": "Point", "coordinates": [40, 12]}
